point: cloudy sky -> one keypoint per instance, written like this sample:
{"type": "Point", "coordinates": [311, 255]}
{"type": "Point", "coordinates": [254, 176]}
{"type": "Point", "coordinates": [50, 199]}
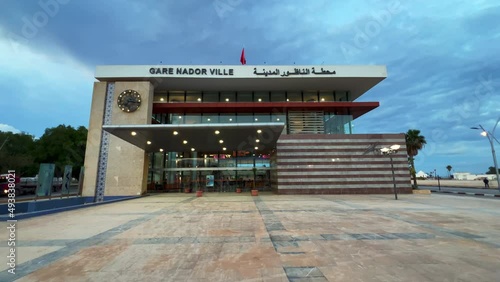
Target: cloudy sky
{"type": "Point", "coordinates": [442, 58]}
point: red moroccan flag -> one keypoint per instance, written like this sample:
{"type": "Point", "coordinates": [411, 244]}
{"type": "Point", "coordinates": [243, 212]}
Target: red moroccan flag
{"type": "Point", "coordinates": [242, 58]}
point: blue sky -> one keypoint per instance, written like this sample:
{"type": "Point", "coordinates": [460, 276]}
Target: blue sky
{"type": "Point", "coordinates": [442, 58]}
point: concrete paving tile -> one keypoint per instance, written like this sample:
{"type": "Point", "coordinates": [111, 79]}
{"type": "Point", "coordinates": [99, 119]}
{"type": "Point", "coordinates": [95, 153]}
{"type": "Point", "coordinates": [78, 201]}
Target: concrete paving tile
{"type": "Point", "coordinates": [225, 238]}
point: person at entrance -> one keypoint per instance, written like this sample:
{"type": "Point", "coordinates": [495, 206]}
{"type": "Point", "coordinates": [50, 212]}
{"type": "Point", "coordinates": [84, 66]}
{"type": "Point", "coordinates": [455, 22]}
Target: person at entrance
{"type": "Point", "coordinates": [486, 183]}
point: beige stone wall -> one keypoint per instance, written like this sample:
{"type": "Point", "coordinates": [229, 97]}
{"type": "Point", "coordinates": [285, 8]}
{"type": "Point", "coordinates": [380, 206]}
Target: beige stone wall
{"type": "Point", "coordinates": [94, 138]}
{"type": "Point", "coordinates": [126, 173]}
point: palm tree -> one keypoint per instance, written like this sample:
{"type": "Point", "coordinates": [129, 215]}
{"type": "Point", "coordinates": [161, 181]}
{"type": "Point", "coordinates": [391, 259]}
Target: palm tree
{"type": "Point", "coordinates": [414, 143]}
{"type": "Point", "coordinates": [449, 167]}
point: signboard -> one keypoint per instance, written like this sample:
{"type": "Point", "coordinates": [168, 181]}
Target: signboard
{"type": "Point", "coordinates": [45, 178]}
{"type": "Point", "coordinates": [66, 181]}
{"type": "Point", "coordinates": [210, 180]}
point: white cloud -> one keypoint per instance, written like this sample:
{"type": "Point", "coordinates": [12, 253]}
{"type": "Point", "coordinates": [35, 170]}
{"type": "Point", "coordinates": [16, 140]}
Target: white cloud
{"type": "Point", "coordinates": [8, 128]}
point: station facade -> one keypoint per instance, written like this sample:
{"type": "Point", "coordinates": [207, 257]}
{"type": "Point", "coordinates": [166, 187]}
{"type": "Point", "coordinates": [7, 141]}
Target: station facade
{"type": "Point", "coordinates": [286, 129]}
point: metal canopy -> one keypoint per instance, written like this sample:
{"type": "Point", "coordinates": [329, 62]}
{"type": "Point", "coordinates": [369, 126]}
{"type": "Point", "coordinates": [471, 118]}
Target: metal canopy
{"type": "Point", "coordinates": [200, 137]}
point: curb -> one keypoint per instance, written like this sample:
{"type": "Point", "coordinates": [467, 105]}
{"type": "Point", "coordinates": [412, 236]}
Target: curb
{"type": "Point", "coordinates": [466, 193]}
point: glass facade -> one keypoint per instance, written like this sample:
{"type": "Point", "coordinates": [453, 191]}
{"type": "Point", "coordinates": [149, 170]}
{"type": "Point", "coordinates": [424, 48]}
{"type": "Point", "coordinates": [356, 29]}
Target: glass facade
{"type": "Point", "coordinates": [250, 96]}
{"type": "Point", "coordinates": [182, 171]}
{"type": "Point", "coordinates": [191, 171]}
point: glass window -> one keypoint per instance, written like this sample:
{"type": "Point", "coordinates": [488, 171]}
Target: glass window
{"type": "Point", "coordinates": [193, 96]}
{"type": "Point", "coordinates": [211, 96]}
{"type": "Point", "coordinates": [294, 97]}
{"type": "Point", "coordinates": [227, 118]}
{"type": "Point", "coordinates": [210, 118]}
{"type": "Point", "coordinates": [278, 96]}
{"type": "Point", "coordinates": [278, 117]}
{"type": "Point", "coordinates": [228, 97]}
{"type": "Point", "coordinates": [326, 96]}
{"type": "Point", "coordinates": [262, 118]}
{"type": "Point", "coordinates": [245, 96]}
{"type": "Point", "coordinates": [341, 96]}
{"type": "Point", "coordinates": [192, 118]}
{"type": "Point", "coordinates": [245, 118]}
{"type": "Point", "coordinates": [176, 96]}
{"type": "Point", "coordinates": [261, 97]}
{"type": "Point", "coordinates": [310, 96]}
{"type": "Point", "coordinates": [176, 119]}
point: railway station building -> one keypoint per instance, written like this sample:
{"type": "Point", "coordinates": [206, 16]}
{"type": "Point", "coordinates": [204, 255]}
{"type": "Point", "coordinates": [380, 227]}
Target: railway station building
{"type": "Point", "coordinates": [285, 129]}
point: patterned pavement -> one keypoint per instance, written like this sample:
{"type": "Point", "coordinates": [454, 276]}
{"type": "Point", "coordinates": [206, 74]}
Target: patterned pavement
{"type": "Point", "coordinates": [235, 237]}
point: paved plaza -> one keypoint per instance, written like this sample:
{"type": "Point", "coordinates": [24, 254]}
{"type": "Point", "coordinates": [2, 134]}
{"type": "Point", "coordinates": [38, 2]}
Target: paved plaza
{"type": "Point", "coordinates": [233, 237]}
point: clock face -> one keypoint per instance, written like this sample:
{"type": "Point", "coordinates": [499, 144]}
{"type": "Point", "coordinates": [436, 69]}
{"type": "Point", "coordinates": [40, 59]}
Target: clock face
{"type": "Point", "coordinates": [129, 101]}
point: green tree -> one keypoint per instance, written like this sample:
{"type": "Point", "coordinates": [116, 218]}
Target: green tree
{"type": "Point", "coordinates": [491, 170]}
{"type": "Point", "coordinates": [414, 143]}
{"type": "Point", "coordinates": [449, 167]}
{"type": "Point", "coordinates": [17, 153]}
{"type": "Point", "coordinates": [62, 145]}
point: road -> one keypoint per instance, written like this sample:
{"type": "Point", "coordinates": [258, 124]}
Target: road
{"type": "Point", "coordinates": [461, 190]}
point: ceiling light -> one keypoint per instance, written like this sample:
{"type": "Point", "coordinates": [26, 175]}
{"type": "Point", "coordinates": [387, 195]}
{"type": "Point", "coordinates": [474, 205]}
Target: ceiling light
{"type": "Point", "coordinates": [133, 133]}
{"type": "Point", "coordinates": [224, 148]}
{"type": "Point", "coordinates": [256, 119]}
{"type": "Point", "coordinates": [184, 142]}
{"type": "Point", "coordinates": [149, 142]}
{"type": "Point", "coordinates": [278, 119]}
{"type": "Point", "coordinates": [161, 150]}
{"type": "Point", "coordinates": [192, 149]}
{"type": "Point", "coordinates": [227, 99]}
{"type": "Point", "coordinates": [175, 132]}
{"type": "Point", "coordinates": [180, 117]}
{"type": "Point", "coordinates": [230, 119]}
{"type": "Point", "coordinates": [221, 141]}
{"type": "Point", "coordinates": [288, 100]}
{"type": "Point", "coordinates": [208, 119]}
{"type": "Point", "coordinates": [257, 140]}
{"type": "Point", "coordinates": [199, 99]}
{"type": "Point", "coordinates": [259, 131]}
{"type": "Point", "coordinates": [161, 99]}
{"type": "Point", "coordinates": [217, 132]}
{"type": "Point", "coordinates": [256, 148]}
{"type": "Point", "coordinates": [322, 99]}
{"type": "Point", "coordinates": [260, 100]}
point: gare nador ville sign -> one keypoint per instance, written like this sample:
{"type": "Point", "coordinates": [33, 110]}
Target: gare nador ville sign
{"type": "Point", "coordinates": [230, 72]}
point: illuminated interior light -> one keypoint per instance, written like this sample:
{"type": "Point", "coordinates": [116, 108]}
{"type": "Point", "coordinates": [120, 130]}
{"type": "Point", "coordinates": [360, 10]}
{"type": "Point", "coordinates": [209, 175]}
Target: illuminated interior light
{"type": "Point", "coordinates": [184, 142]}
{"type": "Point", "coordinates": [175, 132]}
{"type": "Point", "coordinates": [217, 132]}
{"type": "Point", "coordinates": [221, 141]}
{"type": "Point", "coordinates": [259, 131]}
{"type": "Point", "coordinates": [149, 142]}
{"type": "Point", "coordinates": [133, 133]}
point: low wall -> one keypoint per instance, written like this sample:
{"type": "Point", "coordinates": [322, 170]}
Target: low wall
{"type": "Point", "coordinates": [41, 207]}
{"type": "Point", "coordinates": [457, 183]}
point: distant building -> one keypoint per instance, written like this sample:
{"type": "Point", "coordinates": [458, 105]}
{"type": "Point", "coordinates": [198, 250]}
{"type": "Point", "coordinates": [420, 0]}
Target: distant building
{"type": "Point", "coordinates": [470, 176]}
{"type": "Point", "coordinates": [422, 174]}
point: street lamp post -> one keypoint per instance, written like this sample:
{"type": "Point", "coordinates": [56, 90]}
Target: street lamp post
{"type": "Point", "coordinates": [490, 137]}
{"type": "Point", "coordinates": [391, 151]}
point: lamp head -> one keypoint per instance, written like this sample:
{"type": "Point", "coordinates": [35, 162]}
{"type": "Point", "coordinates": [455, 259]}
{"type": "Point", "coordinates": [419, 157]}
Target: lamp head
{"type": "Point", "coordinates": [384, 150]}
{"type": "Point", "coordinates": [395, 147]}
{"type": "Point", "coordinates": [484, 133]}
{"type": "Point", "coordinates": [475, 127]}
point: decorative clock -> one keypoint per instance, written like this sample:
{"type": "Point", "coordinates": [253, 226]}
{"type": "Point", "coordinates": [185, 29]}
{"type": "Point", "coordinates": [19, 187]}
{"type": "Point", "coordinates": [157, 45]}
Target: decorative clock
{"type": "Point", "coordinates": [129, 101]}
